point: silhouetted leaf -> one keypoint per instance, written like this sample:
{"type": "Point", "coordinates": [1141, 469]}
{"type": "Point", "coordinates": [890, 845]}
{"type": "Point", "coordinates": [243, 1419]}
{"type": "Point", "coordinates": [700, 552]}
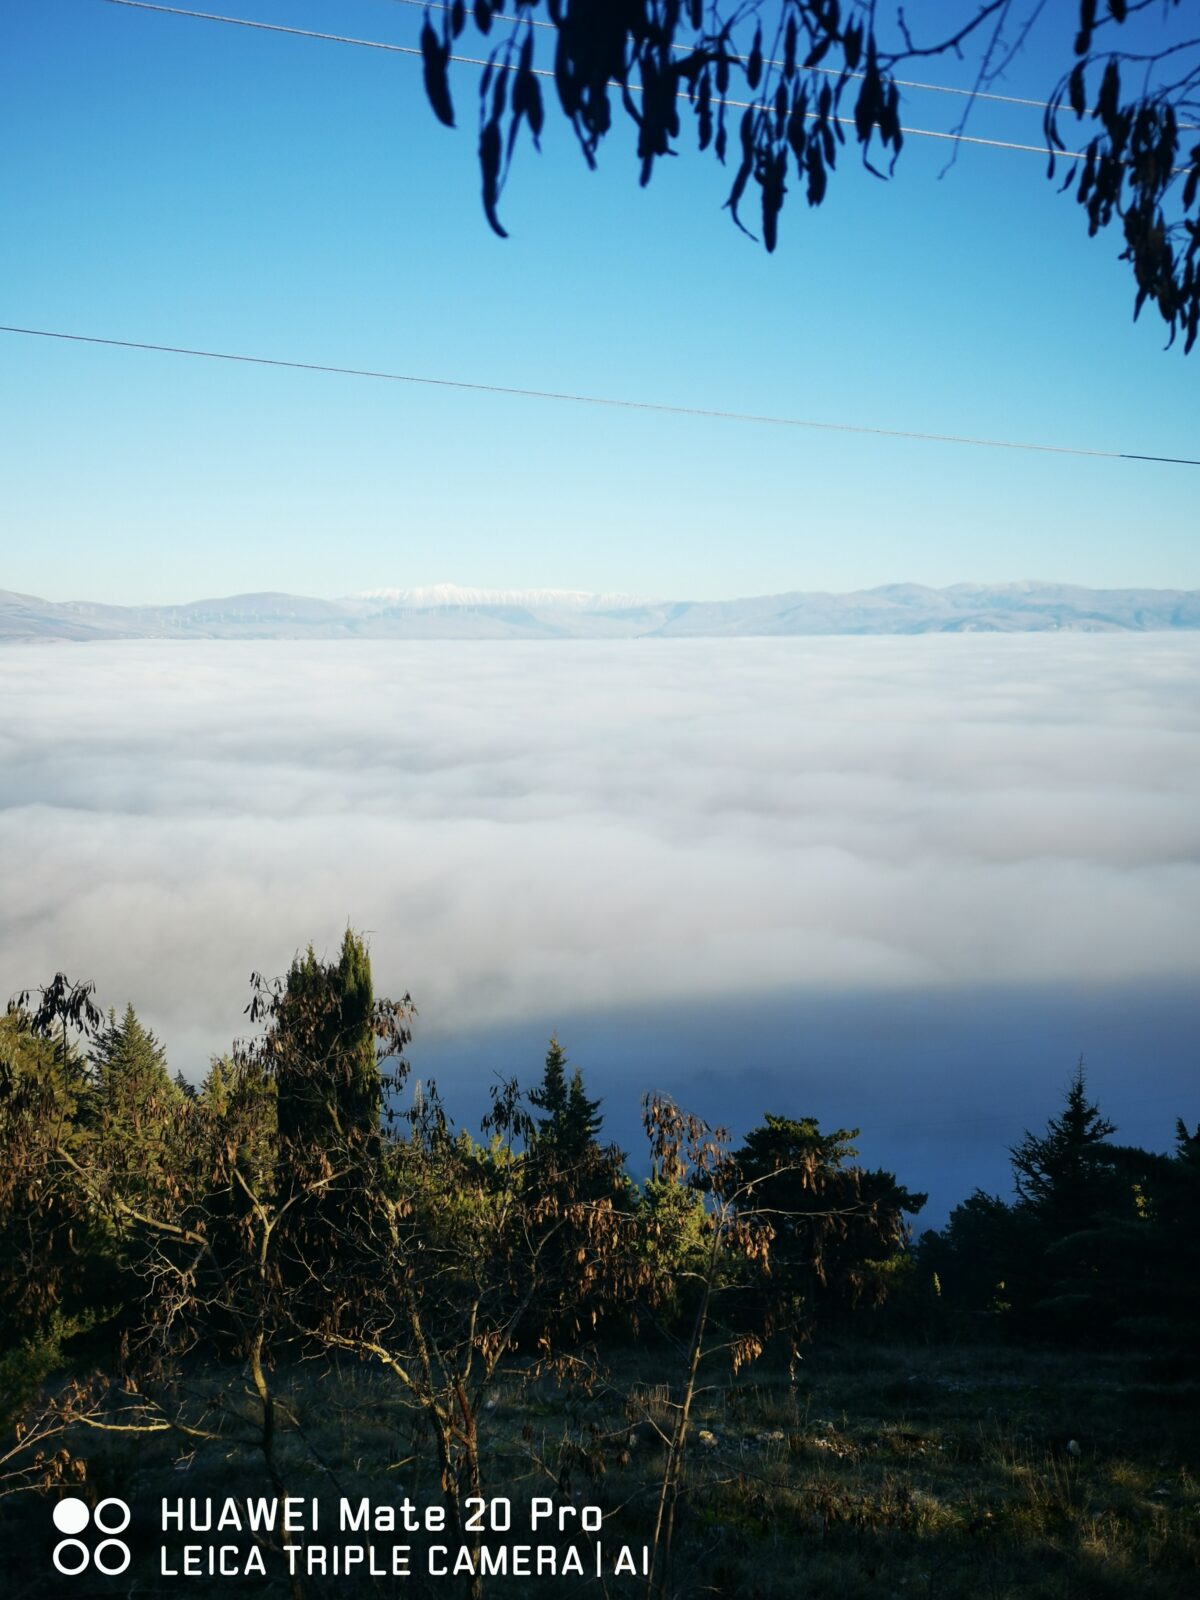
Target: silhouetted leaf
{"type": "Point", "coordinates": [435, 55]}
{"type": "Point", "coordinates": [534, 109]}
{"type": "Point", "coordinates": [891, 128]}
{"type": "Point", "coordinates": [1087, 26]}
{"type": "Point", "coordinates": [527, 96]}
{"type": "Point", "coordinates": [745, 168]}
{"type": "Point", "coordinates": [869, 102]}
{"type": "Point", "coordinates": [644, 52]}
{"type": "Point", "coordinates": [1076, 91]}
{"type": "Point", "coordinates": [815, 168]}
{"type": "Point", "coordinates": [704, 109]}
{"type": "Point", "coordinates": [755, 64]}
{"type": "Point", "coordinates": [797, 131]}
{"type": "Point", "coordinates": [773, 189]}
{"type": "Point", "coordinates": [1110, 91]}
{"type": "Point", "coordinates": [489, 163]}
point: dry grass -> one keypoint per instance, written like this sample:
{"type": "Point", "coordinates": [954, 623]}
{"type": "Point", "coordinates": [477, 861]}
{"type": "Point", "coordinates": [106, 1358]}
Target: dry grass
{"type": "Point", "coordinates": [883, 1472]}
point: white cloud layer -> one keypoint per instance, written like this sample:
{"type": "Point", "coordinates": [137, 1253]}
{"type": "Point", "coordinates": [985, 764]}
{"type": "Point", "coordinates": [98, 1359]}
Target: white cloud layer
{"type": "Point", "coordinates": [538, 829]}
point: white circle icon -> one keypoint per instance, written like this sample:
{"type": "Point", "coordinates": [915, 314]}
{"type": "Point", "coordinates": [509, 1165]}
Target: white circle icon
{"type": "Point", "coordinates": [83, 1556]}
{"type": "Point", "coordinates": [101, 1517]}
{"type": "Point", "coordinates": [71, 1516]}
{"type": "Point", "coordinates": [117, 1561]}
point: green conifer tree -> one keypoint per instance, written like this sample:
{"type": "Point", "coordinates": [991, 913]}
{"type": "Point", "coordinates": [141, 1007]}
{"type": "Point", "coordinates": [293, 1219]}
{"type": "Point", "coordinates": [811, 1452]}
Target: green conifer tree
{"type": "Point", "coordinates": [50, 1254]}
{"type": "Point", "coordinates": [581, 1120]}
{"type": "Point", "coordinates": [321, 1052]}
{"type": "Point", "coordinates": [569, 1176]}
{"type": "Point", "coordinates": [131, 1110]}
{"type": "Point", "coordinates": [551, 1095]}
{"type": "Point", "coordinates": [324, 1047]}
{"type": "Point", "coordinates": [132, 1094]}
{"type": "Point", "coordinates": [1168, 1309]}
{"type": "Point", "coordinates": [1064, 1176]}
{"type": "Point", "coordinates": [1078, 1201]}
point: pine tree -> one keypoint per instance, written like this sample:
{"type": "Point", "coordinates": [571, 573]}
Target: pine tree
{"type": "Point", "coordinates": [551, 1095]}
{"type": "Point", "coordinates": [581, 1120]}
{"type": "Point", "coordinates": [132, 1093]}
{"type": "Point", "coordinates": [330, 1089]}
{"type": "Point", "coordinates": [1175, 1228]}
{"type": "Point", "coordinates": [570, 1179]}
{"type": "Point", "coordinates": [322, 1055]}
{"type": "Point", "coordinates": [1064, 1176]}
{"type": "Point", "coordinates": [217, 1085]}
{"type": "Point", "coordinates": [50, 1255]}
{"type": "Point", "coordinates": [132, 1107]}
{"type": "Point", "coordinates": [1078, 1200]}
{"type": "Point", "coordinates": [568, 1131]}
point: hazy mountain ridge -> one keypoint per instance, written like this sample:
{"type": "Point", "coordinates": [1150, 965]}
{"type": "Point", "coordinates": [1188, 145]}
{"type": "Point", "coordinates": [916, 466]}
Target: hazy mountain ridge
{"type": "Point", "coordinates": [448, 612]}
{"type": "Point", "coordinates": [440, 595]}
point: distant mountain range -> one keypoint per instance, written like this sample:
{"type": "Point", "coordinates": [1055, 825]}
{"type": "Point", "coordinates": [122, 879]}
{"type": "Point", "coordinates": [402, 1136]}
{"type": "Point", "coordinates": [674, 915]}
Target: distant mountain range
{"type": "Point", "coordinates": [448, 612]}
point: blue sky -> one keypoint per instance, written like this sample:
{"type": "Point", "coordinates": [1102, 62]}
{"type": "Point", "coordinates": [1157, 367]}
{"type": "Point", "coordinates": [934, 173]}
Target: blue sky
{"type": "Point", "coordinates": [181, 182]}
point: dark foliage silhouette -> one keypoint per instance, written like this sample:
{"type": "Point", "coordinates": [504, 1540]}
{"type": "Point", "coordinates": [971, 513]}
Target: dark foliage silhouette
{"type": "Point", "coordinates": [777, 91]}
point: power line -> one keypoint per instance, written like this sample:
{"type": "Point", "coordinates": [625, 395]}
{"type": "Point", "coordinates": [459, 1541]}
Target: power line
{"type": "Point", "coordinates": [595, 400]}
{"type": "Point", "coordinates": [544, 72]}
{"type": "Point", "coordinates": [769, 61]}
{"type": "Point", "coordinates": [300, 33]}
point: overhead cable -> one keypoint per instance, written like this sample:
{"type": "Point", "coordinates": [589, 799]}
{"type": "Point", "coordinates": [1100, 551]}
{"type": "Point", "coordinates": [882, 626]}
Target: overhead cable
{"type": "Point", "coordinates": [770, 61]}
{"type": "Point", "coordinates": [610, 401]}
{"type": "Point", "coordinates": [544, 72]}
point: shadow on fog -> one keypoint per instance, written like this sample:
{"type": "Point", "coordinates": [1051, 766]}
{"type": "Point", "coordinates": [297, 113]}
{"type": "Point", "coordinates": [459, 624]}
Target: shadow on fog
{"type": "Point", "coordinates": [941, 1083]}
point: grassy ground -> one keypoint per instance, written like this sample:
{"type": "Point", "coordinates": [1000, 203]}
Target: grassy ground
{"type": "Point", "coordinates": [882, 1471]}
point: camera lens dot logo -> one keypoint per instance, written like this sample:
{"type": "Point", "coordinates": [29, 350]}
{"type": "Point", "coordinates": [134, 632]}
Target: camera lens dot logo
{"type": "Point", "coordinates": [71, 1555]}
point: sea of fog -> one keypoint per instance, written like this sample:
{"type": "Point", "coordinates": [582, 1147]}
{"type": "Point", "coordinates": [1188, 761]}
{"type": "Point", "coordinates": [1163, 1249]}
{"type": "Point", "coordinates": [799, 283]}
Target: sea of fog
{"type": "Point", "coordinates": [899, 883]}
